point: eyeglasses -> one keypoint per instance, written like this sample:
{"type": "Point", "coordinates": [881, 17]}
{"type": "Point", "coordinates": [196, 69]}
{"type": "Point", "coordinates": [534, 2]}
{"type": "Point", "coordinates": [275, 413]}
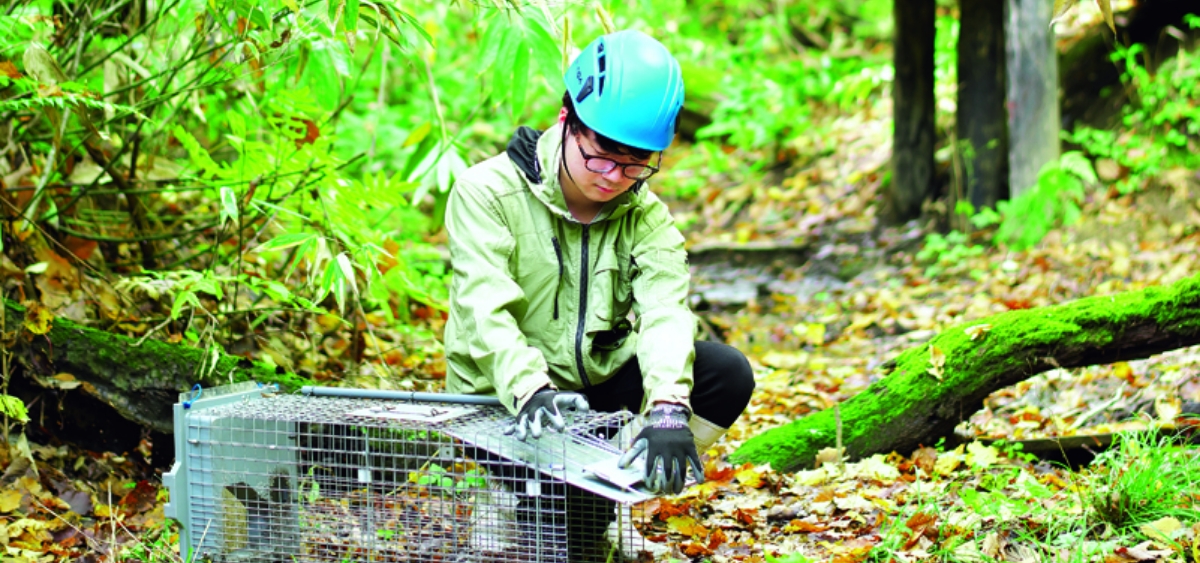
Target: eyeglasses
{"type": "Point", "coordinates": [604, 165]}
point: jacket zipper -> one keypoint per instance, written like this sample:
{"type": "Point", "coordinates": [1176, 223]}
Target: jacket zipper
{"type": "Point", "coordinates": [557, 286]}
{"type": "Point", "coordinates": [583, 285]}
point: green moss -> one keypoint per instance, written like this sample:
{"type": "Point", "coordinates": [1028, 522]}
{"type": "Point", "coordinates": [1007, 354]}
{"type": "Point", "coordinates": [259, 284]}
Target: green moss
{"type": "Point", "coordinates": [138, 380]}
{"type": "Point", "coordinates": [910, 402]}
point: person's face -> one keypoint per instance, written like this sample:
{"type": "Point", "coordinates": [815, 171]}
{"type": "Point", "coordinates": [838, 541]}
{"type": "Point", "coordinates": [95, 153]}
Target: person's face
{"type": "Point", "coordinates": [600, 176]}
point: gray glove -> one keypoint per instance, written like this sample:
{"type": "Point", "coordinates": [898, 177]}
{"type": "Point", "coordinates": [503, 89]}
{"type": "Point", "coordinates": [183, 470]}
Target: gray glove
{"type": "Point", "coordinates": [667, 442]}
{"type": "Point", "coordinates": [544, 409]}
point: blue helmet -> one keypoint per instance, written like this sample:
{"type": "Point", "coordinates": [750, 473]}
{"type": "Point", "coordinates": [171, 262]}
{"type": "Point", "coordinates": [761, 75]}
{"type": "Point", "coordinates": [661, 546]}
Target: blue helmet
{"type": "Point", "coordinates": [627, 87]}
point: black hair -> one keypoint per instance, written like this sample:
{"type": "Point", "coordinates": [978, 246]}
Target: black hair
{"type": "Point", "coordinates": [576, 125]}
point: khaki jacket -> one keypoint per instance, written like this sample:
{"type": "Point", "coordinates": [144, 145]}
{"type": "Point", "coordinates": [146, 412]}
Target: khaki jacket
{"type": "Point", "coordinates": [538, 298]}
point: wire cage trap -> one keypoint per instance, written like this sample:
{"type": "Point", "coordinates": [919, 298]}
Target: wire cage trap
{"type": "Point", "coordinates": [338, 475]}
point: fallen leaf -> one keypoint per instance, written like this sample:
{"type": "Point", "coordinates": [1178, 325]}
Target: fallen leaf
{"type": "Point", "coordinates": [1144, 552]}
{"type": "Point", "coordinates": [38, 319]}
{"type": "Point", "coordinates": [696, 550]}
{"type": "Point", "coordinates": [10, 499]}
{"type": "Point", "coordinates": [875, 468]}
{"type": "Point", "coordinates": [948, 461]}
{"type": "Point", "coordinates": [717, 538]}
{"type": "Point", "coordinates": [687, 526]}
{"type": "Point", "coordinates": [745, 516]}
{"type": "Point", "coordinates": [981, 456]}
{"type": "Point", "coordinates": [10, 70]}
{"type": "Point", "coordinates": [1167, 408]}
{"type": "Point", "coordinates": [804, 526]}
{"type": "Point", "coordinates": [785, 360]}
{"type": "Point", "coordinates": [936, 357]}
{"type": "Point", "coordinates": [854, 503]}
{"type": "Point", "coordinates": [64, 381]}
{"type": "Point", "coordinates": [828, 455]}
{"type": "Point", "coordinates": [1161, 529]}
{"type": "Point", "coordinates": [976, 331]}
{"type": "Point", "coordinates": [750, 477]}
{"type": "Point", "coordinates": [925, 458]}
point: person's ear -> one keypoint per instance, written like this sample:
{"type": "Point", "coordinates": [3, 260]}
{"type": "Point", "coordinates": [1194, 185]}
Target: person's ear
{"type": "Point", "coordinates": [562, 115]}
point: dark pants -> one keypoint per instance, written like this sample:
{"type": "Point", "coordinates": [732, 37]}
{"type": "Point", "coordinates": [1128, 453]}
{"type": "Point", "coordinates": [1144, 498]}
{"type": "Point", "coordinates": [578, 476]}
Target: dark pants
{"type": "Point", "coordinates": [722, 384]}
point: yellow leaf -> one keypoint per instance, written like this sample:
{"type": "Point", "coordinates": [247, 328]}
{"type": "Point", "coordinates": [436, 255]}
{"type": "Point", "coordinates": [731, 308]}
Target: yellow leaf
{"type": "Point", "coordinates": [981, 456]}
{"type": "Point", "coordinates": [1167, 408]}
{"type": "Point", "coordinates": [947, 462]}
{"type": "Point", "coordinates": [102, 511]}
{"type": "Point", "coordinates": [38, 319]}
{"type": "Point", "coordinates": [785, 360]}
{"type": "Point", "coordinates": [1106, 9]}
{"type": "Point", "coordinates": [937, 357]}
{"type": "Point", "coordinates": [749, 477]}
{"type": "Point", "coordinates": [975, 331]}
{"type": "Point", "coordinates": [10, 499]}
{"type": "Point", "coordinates": [816, 334]}
{"type": "Point", "coordinates": [1161, 529]}
{"type": "Point", "coordinates": [685, 525]}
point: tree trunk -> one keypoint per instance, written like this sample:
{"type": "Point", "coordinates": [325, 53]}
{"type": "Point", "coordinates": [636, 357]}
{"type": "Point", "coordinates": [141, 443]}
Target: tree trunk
{"type": "Point", "coordinates": [140, 381]}
{"type": "Point", "coordinates": [913, 107]}
{"type": "Point", "coordinates": [982, 120]}
{"type": "Point", "coordinates": [1033, 119]}
{"type": "Point", "coordinates": [911, 406]}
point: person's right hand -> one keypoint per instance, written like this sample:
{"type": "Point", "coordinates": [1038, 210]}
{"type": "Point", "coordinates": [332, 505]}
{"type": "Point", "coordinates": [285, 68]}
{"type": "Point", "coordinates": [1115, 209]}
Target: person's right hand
{"type": "Point", "coordinates": [544, 409]}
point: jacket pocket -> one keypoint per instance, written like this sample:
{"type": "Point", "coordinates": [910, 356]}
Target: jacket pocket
{"type": "Point", "coordinates": [612, 290]}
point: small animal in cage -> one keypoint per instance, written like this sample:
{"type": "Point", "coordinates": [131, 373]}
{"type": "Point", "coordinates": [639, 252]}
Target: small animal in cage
{"type": "Point", "coordinates": [330, 475]}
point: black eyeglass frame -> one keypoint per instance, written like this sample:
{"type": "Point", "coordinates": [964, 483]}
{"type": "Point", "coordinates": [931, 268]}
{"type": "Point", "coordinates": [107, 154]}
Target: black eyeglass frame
{"type": "Point", "coordinates": [588, 158]}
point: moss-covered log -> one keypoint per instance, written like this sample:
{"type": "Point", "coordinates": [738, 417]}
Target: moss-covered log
{"type": "Point", "coordinates": [911, 406]}
{"type": "Point", "coordinates": [140, 381]}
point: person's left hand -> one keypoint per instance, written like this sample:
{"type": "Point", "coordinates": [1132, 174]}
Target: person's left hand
{"type": "Point", "coordinates": [669, 448]}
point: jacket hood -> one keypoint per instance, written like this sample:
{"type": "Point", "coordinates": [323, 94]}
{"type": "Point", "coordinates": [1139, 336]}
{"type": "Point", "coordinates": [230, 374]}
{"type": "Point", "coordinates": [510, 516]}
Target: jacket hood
{"type": "Point", "coordinates": [537, 155]}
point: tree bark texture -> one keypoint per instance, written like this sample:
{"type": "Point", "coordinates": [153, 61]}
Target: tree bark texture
{"type": "Point", "coordinates": [1033, 119]}
{"type": "Point", "coordinates": [141, 381]}
{"type": "Point", "coordinates": [982, 119]}
{"type": "Point", "coordinates": [913, 135]}
{"type": "Point", "coordinates": [911, 406]}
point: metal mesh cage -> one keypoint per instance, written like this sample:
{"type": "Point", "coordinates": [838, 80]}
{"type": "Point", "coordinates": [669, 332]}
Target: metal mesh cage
{"type": "Point", "coordinates": [263, 477]}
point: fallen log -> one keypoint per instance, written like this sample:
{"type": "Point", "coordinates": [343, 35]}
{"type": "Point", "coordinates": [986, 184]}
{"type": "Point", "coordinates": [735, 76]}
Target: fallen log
{"type": "Point", "coordinates": [140, 379]}
{"type": "Point", "coordinates": [934, 386]}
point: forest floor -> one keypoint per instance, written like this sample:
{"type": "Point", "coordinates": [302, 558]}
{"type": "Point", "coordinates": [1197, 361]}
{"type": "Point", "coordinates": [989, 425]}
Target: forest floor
{"type": "Point", "coordinates": [816, 328]}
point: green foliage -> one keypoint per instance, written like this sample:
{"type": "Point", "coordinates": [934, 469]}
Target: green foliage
{"type": "Point", "coordinates": [1161, 124]}
{"type": "Point", "coordinates": [1054, 201]}
{"type": "Point", "coordinates": [944, 253]}
{"type": "Point", "coordinates": [1144, 477]}
{"type": "Point", "coordinates": [13, 408]}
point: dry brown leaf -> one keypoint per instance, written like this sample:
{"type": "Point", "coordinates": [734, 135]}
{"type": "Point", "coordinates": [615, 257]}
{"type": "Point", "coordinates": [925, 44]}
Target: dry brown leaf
{"type": "Point", "coordinates": [925, 458]}
{"type": "Point", "coordinates": [10, 70]}
{"type": "Point", "coordinates": [1144, 552]}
